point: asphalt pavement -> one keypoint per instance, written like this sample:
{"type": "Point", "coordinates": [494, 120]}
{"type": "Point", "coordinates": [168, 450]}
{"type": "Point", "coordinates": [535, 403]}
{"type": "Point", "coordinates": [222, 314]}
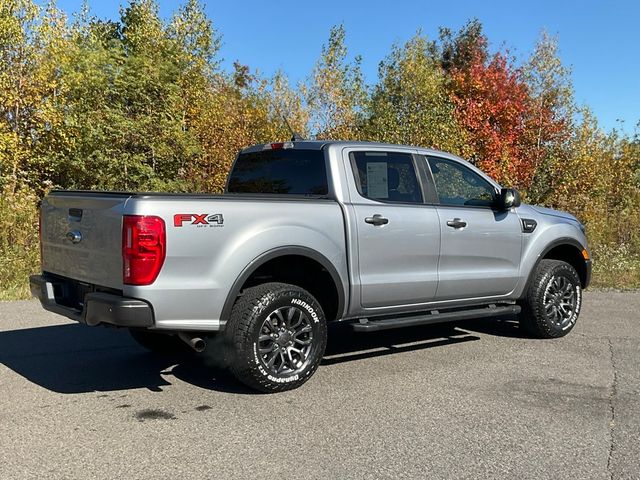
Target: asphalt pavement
{"type": "Point", "coordinates": [470, 400]}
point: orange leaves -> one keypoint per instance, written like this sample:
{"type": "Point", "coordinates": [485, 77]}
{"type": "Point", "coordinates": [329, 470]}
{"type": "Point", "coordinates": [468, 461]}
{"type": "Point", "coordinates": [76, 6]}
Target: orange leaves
{"type": "Point", "coordinates": [492, 104]}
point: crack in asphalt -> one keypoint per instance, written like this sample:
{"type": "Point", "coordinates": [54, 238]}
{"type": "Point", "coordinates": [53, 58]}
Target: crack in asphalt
{"type": "Point", "coordinates": [612, 397]}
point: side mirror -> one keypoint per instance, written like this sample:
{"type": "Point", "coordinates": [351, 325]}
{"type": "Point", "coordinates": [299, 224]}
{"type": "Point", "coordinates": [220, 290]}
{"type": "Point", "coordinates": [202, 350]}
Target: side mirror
{"type": "Point", "coordinates": [508, 198]}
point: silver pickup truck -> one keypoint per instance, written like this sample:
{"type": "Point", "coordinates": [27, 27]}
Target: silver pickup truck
{"type": "Point", "coordinates": [308, 233]}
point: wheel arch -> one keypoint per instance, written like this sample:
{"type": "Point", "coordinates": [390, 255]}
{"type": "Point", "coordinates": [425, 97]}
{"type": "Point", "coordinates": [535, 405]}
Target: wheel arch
{"type": "Point", "coordinates": [289, 255]}
{"type": "Point", "coordinates": [568, 250]}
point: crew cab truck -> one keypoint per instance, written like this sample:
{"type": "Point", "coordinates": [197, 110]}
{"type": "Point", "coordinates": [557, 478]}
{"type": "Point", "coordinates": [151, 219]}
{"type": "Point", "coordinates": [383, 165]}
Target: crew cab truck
{"type": "Point", "coordinates": [308, 233]}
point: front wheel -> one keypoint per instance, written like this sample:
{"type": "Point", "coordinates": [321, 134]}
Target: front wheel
{"type": "Point", "coordinates": [553, 301]}
{"type": "Point", "coordinates": [275, 337]}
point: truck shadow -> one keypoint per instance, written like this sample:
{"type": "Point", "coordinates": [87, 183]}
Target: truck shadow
{"type": "Point", "coordinates": [344, 345]}
{"type": "Point", "coordinates": [73, 358]}
{"type": "Point", "coordinates": [507, 326]}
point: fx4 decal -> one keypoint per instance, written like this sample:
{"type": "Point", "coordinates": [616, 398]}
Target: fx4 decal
{"type": "Point", "coordinates": [199, 220]}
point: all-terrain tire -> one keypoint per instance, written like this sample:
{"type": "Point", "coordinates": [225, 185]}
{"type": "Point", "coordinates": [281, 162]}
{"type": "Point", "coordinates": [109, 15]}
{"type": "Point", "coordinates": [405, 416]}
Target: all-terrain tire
{"type": "Point", "coordinates": [268, 326]}
{"type": "Point", "coordinates": [553, 300]}
{"type": "Point", "coordinates": [160, 343]}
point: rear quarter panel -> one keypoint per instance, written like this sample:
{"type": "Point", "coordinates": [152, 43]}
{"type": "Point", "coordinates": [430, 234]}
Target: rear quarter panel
{"type": "Point", "coordinates": [203, 261]}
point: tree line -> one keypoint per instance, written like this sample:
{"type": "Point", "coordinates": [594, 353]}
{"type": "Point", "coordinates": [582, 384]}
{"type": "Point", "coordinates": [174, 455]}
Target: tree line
{"type": "Point", "coordinates": [142, 103]}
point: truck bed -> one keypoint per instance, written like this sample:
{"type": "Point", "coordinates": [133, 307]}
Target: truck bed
{"type": "Point", "coordinates": [203, 259]}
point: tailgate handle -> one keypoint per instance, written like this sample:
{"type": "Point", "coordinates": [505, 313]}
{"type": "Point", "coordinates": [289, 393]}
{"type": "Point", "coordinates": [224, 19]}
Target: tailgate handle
{"type": "Point", "coordinates": [75, 214]}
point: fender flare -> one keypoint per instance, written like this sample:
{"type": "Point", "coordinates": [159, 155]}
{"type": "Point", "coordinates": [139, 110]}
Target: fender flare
{"type": "Point", "coordinates": [275, 253]}
{"type": "Point", "coordinates": [550, 246]}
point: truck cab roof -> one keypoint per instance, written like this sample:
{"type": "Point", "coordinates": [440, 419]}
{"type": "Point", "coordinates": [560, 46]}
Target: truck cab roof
{"type": "Point", "coordinates": [320, 144]}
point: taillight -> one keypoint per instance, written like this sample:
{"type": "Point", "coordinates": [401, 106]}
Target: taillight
{"type": "Point", "coordinates": [143, 248]}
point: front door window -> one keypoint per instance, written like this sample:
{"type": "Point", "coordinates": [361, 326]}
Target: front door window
{"type": "Point", "coordinates": [460, 186]}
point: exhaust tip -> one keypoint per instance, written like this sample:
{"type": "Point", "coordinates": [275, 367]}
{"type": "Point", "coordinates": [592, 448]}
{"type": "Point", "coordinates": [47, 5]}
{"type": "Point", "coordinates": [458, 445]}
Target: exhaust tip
{"type": "Point", "coordinates": [196, 343]}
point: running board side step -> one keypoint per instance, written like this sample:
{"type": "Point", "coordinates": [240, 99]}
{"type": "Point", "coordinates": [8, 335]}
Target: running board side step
{"type": "Point", "coordinates": [434, 316]}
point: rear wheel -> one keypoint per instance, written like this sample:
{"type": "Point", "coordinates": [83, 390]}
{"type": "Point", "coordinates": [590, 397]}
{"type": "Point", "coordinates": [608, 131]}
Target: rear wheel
{"type": "Point", "coordinates": [553, 301]}
{"type": "Point", "coordinates": [275, 337]}
{"type": "Point", "coordinates": [159, 343]}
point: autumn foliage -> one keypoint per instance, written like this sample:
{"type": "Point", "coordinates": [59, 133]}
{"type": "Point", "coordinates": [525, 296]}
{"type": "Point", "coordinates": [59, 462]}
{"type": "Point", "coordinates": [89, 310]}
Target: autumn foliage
{"type": "Point", "coordinates": [507, 127]}
{"type": "Point", "coordinates": [493, 106]}
{"type": "Point", "coordinates": [142, 103]}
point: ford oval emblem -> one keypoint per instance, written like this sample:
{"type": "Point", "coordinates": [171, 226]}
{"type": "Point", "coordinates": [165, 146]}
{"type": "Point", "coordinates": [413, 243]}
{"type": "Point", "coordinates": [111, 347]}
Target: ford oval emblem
{"type": "Point", "coordinates": [74, 236]}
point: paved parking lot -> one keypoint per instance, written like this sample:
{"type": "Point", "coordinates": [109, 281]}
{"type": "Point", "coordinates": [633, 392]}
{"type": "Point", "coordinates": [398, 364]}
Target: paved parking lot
{"type": "Point", "coordinates": [470, 400]}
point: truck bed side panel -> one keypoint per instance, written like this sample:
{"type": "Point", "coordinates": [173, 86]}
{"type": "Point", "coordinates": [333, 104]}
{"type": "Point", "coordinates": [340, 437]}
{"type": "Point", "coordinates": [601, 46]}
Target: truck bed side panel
{"type": "Point", "coordinates": [204, 259]}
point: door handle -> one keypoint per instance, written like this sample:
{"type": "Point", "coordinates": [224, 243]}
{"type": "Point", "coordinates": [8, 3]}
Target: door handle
{"type": "Point", "coordinates": [377, 220]}
{"type": "Point", "coordinates": [456, 223]}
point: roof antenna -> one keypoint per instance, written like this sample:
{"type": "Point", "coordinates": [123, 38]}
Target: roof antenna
{"type": "Point", "coordinates": [294, 136]}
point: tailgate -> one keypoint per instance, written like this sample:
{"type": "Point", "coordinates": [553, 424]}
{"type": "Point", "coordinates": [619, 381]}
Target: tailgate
{"type": "Point", "coordinates": [82, 236]}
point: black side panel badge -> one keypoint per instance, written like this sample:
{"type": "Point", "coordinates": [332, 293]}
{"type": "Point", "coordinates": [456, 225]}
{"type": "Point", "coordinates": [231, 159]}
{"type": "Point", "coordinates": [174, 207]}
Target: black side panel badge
{"type": "Point", "coordinates": [528, 225]}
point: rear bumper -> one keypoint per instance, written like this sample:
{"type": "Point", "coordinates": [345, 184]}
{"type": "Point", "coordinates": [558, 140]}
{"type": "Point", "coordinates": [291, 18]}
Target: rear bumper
{"type": "Point", "coordinates": [99, 307]}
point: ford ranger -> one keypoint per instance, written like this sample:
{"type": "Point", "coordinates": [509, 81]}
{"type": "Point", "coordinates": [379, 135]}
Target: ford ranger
{"type": "Point", "coordinates": [307, 233]}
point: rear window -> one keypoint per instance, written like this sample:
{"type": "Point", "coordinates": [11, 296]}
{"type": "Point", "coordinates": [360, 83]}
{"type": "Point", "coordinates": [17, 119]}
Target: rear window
{"type": "Point", "coordinates": [285, 171]}
{"type": "Point", "coordinates": [386, 176]}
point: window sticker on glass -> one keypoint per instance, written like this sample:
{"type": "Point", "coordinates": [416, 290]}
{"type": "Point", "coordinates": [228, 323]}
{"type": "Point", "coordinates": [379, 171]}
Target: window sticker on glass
{"type": "Point", "coordinates": [377, 181]}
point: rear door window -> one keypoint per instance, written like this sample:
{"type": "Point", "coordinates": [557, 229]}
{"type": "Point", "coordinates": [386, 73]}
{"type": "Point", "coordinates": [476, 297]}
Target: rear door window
{"type": "Point", "coordinates": [283, 171]}
{"type": "Point", "coordinates": [386, 176]}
